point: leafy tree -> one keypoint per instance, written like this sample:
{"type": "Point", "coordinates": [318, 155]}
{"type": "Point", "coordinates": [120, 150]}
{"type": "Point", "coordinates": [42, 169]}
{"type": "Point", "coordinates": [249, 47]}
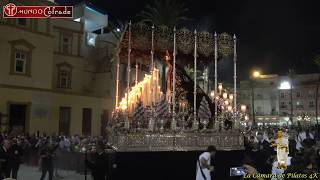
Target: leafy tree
{"type": "Point", "coordinates": [164, 12]}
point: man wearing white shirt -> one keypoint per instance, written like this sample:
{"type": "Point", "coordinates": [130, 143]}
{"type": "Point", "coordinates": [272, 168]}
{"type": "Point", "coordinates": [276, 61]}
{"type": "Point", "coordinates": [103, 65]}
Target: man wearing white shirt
{"type": "Point", "coordinates": [203, 164]}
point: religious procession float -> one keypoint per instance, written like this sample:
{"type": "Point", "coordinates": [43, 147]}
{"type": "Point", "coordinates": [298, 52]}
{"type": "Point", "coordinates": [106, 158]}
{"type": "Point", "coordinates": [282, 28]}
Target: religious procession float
{"type": "Point", "coordinates": [164, 99]}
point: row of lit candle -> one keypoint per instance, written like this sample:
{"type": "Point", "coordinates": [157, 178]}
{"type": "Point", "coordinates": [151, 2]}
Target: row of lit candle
{"type": "Point", "coordinates": [147, 90]}
{"type": "Point", "coordinates": [227, 99]}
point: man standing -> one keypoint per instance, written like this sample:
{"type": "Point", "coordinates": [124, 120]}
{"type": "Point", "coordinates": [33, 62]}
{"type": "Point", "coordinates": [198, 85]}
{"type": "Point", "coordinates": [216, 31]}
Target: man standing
{"type": "Point", "coordinates": [99, 166]}
{"type": "Point", "coordinates": [15, 157]}
{"type": "Point", "coordinates": [47, 155]}
{"type": "Point", "coordinates": [4, 159]}
{"type": "Point", "coordinates": [203, 164]}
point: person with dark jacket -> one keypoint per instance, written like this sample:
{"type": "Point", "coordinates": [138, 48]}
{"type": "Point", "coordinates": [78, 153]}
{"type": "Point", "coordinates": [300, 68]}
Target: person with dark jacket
{"type": "Point", "coordinates": [15, 155]}
{"type": "Point", "coordinates": [46, 156]}
{"type": "Point", "coordinates": [99, 166]}
{"type": "Point", "coordinates": [4, 159]}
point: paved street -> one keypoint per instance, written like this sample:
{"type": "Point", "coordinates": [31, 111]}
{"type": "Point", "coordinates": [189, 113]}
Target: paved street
{"type": "Point", "coordinates": [32, 173]}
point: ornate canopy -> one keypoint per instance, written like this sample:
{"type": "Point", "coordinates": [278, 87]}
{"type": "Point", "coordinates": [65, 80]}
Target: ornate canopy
{"type": "Point", "coordinates": [163, 38]}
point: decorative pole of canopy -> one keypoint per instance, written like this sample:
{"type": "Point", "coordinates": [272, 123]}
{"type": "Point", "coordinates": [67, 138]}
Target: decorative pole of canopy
{"type": "Point", "coordinates": [152, 66]}
{"type": "Point", "coordinates": [117, 82]}
{"type": "Point", "coordinates": [128, 71]}
{"type": "Point", "coordinates": [152, 47]}
{"type": "Point", "coordinates": [136, 72]}
{"type": "Point", "coordinates": [235, 77]}
{"type": "Point", "coordinates": [174, 78]}
{"type": "Point", "coordinates": [195, 78]}
{"type": "Point", "coordinates": [215, 78]}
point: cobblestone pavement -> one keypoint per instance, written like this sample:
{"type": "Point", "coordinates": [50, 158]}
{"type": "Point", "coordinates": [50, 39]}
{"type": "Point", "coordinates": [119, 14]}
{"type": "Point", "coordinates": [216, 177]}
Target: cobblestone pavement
{"type": "Point", "coordinates": [33, 173]}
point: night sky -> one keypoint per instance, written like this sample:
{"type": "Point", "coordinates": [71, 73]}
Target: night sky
{"type": "Point", "coordinates": [274, 35]}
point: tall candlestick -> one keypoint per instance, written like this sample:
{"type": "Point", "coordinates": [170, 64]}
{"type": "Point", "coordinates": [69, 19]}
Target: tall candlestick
{"type": "Point", "coordinates": [235, 71]}
{"type": "Point", "coordinates": [174, 76]}
{"type": "Point", "coordinates": [152, 64]}
{"type": "Point", "coordinates": [136, 72]}
{"type": "Point", "coordinates": [195, 77]}
{"type": "Point", "coordinates": [118, 69]}
{"type": "Point", "coordinates": [128, 67]}
{"type": "Point", "coordinates": [152, 48]}
{"type": "Point", "coordinates": [215, 79]}
{"type": "Point", "coordinates": [117, 82]}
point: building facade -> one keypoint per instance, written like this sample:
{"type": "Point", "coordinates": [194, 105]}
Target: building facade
{"type": "Point", "coordinates": [272, 98]}
{"type": "Point", "coordinates": [55, 74]}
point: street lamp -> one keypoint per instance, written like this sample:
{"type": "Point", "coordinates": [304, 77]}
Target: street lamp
{"type": "Point", "coordinates": [256, 74]}
{"type": "Point", "coordinates": [291, 96]}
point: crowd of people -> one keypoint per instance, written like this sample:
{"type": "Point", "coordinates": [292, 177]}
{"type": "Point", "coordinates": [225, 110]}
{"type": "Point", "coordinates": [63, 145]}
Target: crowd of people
{"type": "Point", "coordinates": [261, 156]}
{"type": "Point", "coordinates": [51, 153]}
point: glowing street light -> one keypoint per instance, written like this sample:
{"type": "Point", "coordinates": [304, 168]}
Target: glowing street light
{"type": "Point", "coordinates": [256, 74]}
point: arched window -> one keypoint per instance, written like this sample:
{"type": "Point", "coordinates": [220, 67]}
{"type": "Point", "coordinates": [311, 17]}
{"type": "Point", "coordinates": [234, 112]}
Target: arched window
{"type": "Point", "coordinates": [64, 75]}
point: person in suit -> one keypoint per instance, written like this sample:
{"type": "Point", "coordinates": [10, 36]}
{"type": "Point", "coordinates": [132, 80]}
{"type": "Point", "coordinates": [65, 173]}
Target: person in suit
{"type": "Point", "coordinates": [99, 166]}
{"type": "Point", "coordinates": [4, 159]}
{"type": "Point", "coordinates": [112, 164]}
{"type": "Point", "coordinates": [15, 154]}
